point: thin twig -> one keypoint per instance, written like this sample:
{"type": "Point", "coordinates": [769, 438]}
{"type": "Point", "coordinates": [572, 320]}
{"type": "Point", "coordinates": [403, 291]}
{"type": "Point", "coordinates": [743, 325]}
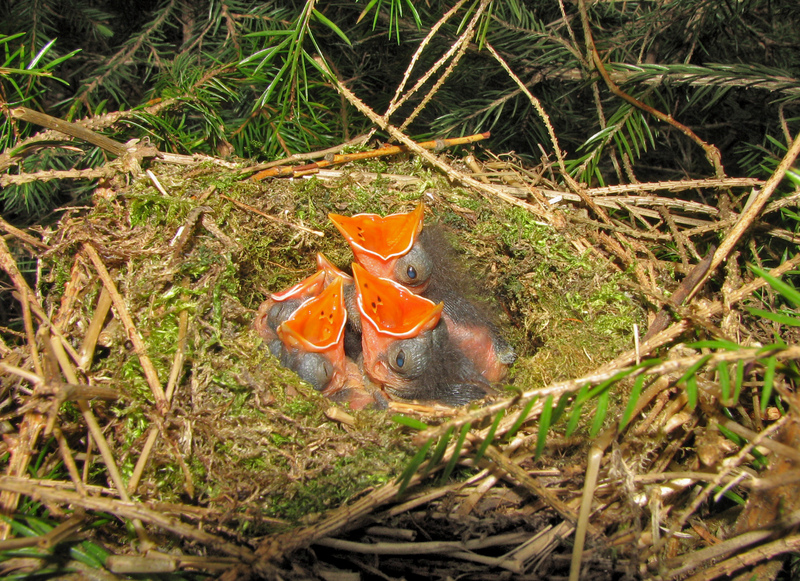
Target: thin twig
{"type": "Point", "coordinates": [330, 160]}
{"type": "Point", "coordinates": [125, 509]}
{"type": "Point", "coordinates": [752, 211]}
{"type": "Point", "coordinates": [396, 101]}
{"type": "Point", "coordinates": [712, 153]}
{"type": "Point", "coordinates": [589, 485]}
{"type": "Point", "coordinates": [273, 218]}
{"type": "Point", "coordinates": [94, 329]}
{"type": "Point", "coordinates": [456, 51]}
{"type": "Point", "coordinates": [359, 140]}
{"type": "Point", "coordinates": [177, 368]}
{"type": "Point", "coordinates": [71, 129]}
{"type": "Point", "coordinates": [527, 481]}
{"type": "Point", "coordinates": [122, 312]}
{"type": "Point", "coordinates": [22, 235]}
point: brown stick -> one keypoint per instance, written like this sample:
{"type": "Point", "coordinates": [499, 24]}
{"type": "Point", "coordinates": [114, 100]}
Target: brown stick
{"type": "Point", "coordinates": [573, 185]}
{"type": "Point", "coordinates": [752, 211]}
{"type": "Point", "coordinates": [125, 509]}
{"type": "Point", "coordinates": [423, 153]}
{"type": "Point", "coordinates": [526, 481]}
{"type": "Point", "coordinates": [280, 172]}
{"type": "Point", "coordinates": [712, 153]}
{"type": "Point", "coordinates": [8, 264]}
{"type": "Point", "coordinates": [456, 52]}
{"type": "Point", "coordinates": [273, 218]}
{"type": "Point", "coordinates": [71, 129]}
{"type": "Point", "coordinates": [94, 329]}
{"type": "Point", "coordinates": [686, 288]}
{"type": "Point", "coordinates": [22, 235]}
{"type": "Point", "coordinates": [122, 312]}
{"type": "Point", "coordinates": [29, 304]}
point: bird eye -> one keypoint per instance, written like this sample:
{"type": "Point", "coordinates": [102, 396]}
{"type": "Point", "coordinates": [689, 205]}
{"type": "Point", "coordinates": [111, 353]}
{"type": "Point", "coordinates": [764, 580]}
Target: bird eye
{"type": "Point", "coordinates": [414, 268]}
{"type": "Point", "coordinates": [401, 358]}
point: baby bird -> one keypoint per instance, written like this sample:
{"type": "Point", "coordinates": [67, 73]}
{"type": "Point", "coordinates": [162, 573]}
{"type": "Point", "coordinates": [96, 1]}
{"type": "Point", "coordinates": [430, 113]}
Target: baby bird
{"type": "Point", "coordinates": [407, 347]}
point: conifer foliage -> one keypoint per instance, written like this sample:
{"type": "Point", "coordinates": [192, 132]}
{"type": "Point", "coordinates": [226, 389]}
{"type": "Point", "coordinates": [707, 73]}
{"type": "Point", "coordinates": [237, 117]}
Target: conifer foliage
{"type": "Point", "coordinates": [252, 79]}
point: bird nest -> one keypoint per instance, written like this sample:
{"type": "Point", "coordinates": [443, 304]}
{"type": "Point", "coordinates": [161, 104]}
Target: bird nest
{"type": "Point", "coordinates": [148, 431]}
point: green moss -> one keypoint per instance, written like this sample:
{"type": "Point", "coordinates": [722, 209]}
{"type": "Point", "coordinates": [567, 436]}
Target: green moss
{"type": "Point", "coordinates": [345, 478]}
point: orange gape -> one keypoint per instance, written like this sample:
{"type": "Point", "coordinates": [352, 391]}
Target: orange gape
{"type": "Point", "coordinates": [317, 326]}
{"type": "Point", "coordinates": [389, 313]}
{"type": "Point", "coordinates": [379, 244]}
{"type": "Point", "coordinates": [304, 327]}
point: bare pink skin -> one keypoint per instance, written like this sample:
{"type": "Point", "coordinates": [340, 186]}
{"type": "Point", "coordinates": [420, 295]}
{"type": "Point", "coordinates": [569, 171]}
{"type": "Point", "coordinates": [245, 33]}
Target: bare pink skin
{"type": "Point", "coordinates": [477, 343]}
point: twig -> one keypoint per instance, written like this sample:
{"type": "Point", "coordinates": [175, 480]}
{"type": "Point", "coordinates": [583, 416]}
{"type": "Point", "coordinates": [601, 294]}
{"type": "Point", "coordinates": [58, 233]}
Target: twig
{"type": "Point", "coordinates": [154, 563]}
{"type": "Point", "coordinates": [413, 147]}
{"type": "Point", "coordinates": [125, 509]}
{"type": "Point", "coordinates": [8, 264]}
{"type": "Point", "coordinates": [438, 144]}
{"type": "Point", "coordinates": [91, 421]}
{"type": "Point", "coordinates": [456, 51]}
{"type": "Point", "coordinates": [71, 129]}
{"type": "Point", "coordinates": [725, 548]}
{"type": "Point", "coordinates": [776, 447]}
{"type": "Point", "coordinates": [360, 140]}
{"type": "Point", "coordinates": [94, 329]}
{"type": "Point", "coordinates": [69, 461]}
{"type": "Point", "coordinates": [29, 304]}
{"type": "Point", "coordinates": [789, 544]}
{"type": "Point", "coordinates": [600, 375]}
{"type": "Point", "coordinates": [705, 311]}
{"type": "Point", "coordinates": [452, 549]}
{"type": "Point", "coordinates": [589, 485]}
{"type": "Point", "coordinates": [573, 185]}
{"type": "Point", "coordinates": [344, 518]}
{"type": "Point", "coordinates": [712, 153]}
{"type": "Point", "coordinates": [730, 464]}
{"type": "Point", "coordinates": [683, 291]}
{"type": "Point", "coordinates": [524, 479]}
{"type": "Point", "coordinates": [397, 101]}
{"type": "Point", "coordinates": [70, 296]}
{"type": "Point", "coordinates": [677, 186]}
{"type": "Point", "coordinates": [177, 367]}
{"type": "Point", "coordinates": [423, 548]}
{"type": "Point", "coordinates": [273, 218]}
{"type": "Point", "coordinates": [184, 232]}
{"type": "Point", "coordinates": [22, 235]}
{"type": "Point", "coordinates": [55, 174]}
{"type": "Point", "coordinates": [28, 434]}
{"type": "Point", "coordinates": [752, 211]}
{"type": "Point", "coordinates": [122, 311]}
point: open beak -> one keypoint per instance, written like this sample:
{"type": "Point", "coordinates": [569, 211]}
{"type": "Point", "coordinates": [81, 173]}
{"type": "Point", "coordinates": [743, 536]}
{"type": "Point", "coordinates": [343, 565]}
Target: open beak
{"type": "Point", "coordinates": [389, 312]}
{"type": "Point", "coordinates": [330, 270]}
{"type": "Point", "coordinates": [317, 326]}
{"type": "Point", "coordinates": [308, 287]}
{"type": "Point", "coordinates": [373, 237]}
{"type": "Point", "coordinates": [391, 309]}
